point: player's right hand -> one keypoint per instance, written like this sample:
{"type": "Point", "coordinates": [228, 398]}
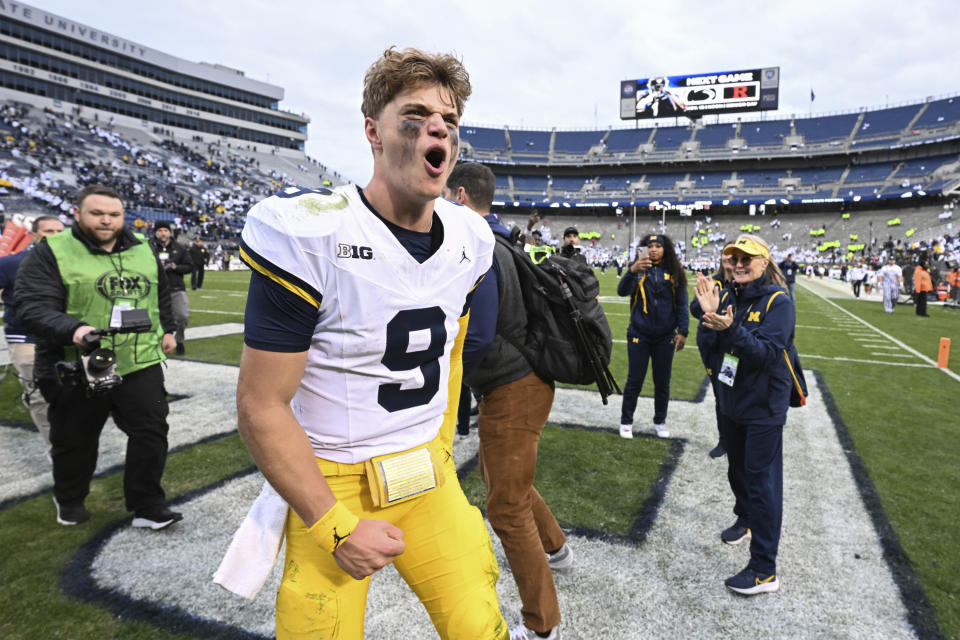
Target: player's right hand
{"type": "Point", "coordinates": [372, 545]}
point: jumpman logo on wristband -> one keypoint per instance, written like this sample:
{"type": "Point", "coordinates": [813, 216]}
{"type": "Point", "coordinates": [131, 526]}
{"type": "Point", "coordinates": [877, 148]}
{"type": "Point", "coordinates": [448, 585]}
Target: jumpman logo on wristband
{"type": "Point", "coordinates": [337, 539]}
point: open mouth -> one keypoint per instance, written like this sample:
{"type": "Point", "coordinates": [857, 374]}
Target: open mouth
{"type": "Point", "coordinates": [436, 159]}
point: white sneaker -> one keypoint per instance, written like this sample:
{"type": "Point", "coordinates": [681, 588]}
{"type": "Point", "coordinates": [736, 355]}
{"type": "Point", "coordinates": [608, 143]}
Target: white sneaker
{"type": "Point", "coordinates": [626, 431]}
{"type": "Point", "coordinates": [561, 559]}
{"type": "Point", "coordinates": [520, 632]}
{"type": "Point", "coordinates": [662, 430]}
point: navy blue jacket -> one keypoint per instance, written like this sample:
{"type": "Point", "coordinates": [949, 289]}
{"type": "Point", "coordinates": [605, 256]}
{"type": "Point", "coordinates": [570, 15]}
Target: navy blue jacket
{"type": "Point", "coordinates": [758, 337]}
{"type": "Point", "coordinates": [8, 276]}
{"type": "Point", "coordinates": [657, 307]}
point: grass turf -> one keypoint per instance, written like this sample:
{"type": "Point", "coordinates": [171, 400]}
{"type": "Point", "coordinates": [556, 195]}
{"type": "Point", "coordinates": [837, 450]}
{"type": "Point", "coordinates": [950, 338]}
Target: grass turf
{"type": "Point", "coordinates": [901, 419]}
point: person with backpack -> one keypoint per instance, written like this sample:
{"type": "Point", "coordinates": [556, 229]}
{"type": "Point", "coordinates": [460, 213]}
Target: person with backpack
{"type": "Point", "coordinates": [515, 404]}
{"type": "Point", "coordinates": [658, 328]}
{"type": "Point", "coordinates": [749, 327]}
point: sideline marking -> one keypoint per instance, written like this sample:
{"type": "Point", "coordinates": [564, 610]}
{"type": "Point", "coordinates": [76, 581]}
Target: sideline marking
{"type": "Point", "coordinates": [892, 364]}
{"type": "Point", "coordinates": [886, 335]}
{"type": "Point", "coordinates": [224, 313]}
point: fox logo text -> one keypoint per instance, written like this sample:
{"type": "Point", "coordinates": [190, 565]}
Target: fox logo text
{"type": "Point", "coordinates": [128, 284]}
{"type": "Point", "coordinates": [353, 251]}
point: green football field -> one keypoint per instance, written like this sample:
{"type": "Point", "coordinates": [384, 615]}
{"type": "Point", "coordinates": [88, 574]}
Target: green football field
{"type": "Point", "coordinates": [899, 411]}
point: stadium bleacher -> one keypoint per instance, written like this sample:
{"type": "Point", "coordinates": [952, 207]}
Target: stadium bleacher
{"type": "Point", "coordinates": [626, 140]}
{"type": "Point", "coordinates": [826, 129]}
{"type": "Point", "coordinates": [576, 141]}
{"type": "Point", "coordinates": [716, 135]}
{"type": "Point", "coordinates": [761, 133]}
{"type": "Point", "coordinates": [885, 121]}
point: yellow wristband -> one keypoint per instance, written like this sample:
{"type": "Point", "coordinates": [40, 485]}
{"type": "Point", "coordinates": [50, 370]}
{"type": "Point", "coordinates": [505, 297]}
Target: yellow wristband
{"type": "Point", "coordinates": [334, 527]}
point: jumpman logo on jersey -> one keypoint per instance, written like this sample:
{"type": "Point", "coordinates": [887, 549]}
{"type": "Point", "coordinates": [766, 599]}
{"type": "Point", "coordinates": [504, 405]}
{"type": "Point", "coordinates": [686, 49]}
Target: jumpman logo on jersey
{"type": "Point", "coordinates": [338, 539]}
{"type": "Point", "coordinates": [464, 255]}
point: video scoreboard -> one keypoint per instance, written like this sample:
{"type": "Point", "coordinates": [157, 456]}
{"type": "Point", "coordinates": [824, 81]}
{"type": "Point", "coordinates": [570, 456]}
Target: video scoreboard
{"type": "Point", "coordinates": [700, 94]}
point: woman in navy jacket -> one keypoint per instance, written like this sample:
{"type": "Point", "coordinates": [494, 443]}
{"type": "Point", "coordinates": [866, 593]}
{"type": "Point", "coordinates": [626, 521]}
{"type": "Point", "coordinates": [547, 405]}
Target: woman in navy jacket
{"type": "Point", "coordinates": [659, 324]}
{"type": "Point", "coordinates": [749, 330]}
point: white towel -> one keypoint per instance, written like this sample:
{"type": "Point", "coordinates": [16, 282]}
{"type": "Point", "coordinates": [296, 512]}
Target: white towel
{"type": "Point", "coordinates": [255, 546]}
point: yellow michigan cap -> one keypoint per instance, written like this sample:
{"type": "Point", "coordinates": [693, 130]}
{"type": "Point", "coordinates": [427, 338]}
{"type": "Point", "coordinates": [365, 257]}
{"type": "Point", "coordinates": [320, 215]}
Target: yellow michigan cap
{"type": "Point", "coordinates": [749, 246]}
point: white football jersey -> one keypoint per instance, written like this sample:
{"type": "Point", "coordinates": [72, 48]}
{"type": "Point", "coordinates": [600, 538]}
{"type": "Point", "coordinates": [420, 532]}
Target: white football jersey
{"type": "Point", "coordinates": [386, 339]}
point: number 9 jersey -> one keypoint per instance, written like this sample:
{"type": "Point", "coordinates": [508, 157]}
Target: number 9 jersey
{"type": "Point", "coordinates": [389, 329]}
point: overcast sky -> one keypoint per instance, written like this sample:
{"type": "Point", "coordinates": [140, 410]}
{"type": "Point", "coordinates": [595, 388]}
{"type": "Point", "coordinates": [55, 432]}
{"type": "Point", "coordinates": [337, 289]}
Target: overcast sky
{"type": "Point", "coordinates": [548, 64]}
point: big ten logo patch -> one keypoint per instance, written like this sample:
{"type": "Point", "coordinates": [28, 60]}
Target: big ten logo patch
{"type": "Point", "coordinates": [128, 284]}
{"type": "Point", "coordinates": [353, 251]}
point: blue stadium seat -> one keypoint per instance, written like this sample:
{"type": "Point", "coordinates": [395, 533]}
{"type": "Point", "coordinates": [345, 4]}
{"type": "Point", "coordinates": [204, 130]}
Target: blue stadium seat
{"type": "Point", "coordinates": [814, 176]}
{"type": "Point", "coordinates": [617, 182]}
{"type": "Point", "coordinates": [709, 179]}
{"type": "Point", "coordinates": [760, 178]}
{"type": "Point", "coordinates": [530, 141]}
{"type": "Point", "coordinates": [886, 121]}
{"type": "Point", "coordinates": [940, 113]}
{"type": "Point", "coordinates": [484, 139]}
{"type": "Point", "coordinates": [760, 134]}
{"type": "Point", "coordinates": [923, 166]}
{"type": "Point", "coordinates": [576, 141]}
{"type": "Point", "coordinates": [671, 137]}
{"type": "Point", "coordinates": [663, 181]}
{"type": "Point", "coordinates": [826, 128]}
{"type": "Point", "coordinates": [569, 183]}
{"type": "Point", "coordinates": [626, 140]}
{"type": "Point", "coordinates": [716, 135]}
{"type": "Point", "coordinates": [530, 183]}
{"type": "Point", "coordinates": [876, 172]}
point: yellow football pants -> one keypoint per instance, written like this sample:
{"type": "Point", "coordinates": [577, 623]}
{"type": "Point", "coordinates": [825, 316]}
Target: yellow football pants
{"type": "Point", "coordinates": [448, 562]}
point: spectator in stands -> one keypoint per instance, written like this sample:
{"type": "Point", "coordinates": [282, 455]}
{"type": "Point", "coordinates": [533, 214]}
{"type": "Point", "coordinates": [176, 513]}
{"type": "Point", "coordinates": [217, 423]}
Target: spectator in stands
{"type": "Point", "coordinates": [891, 278]}
{"type": "Point", "coordinates": [722, 279]}
{"type": "Point", "coordinates": [571, 242]}
{"type": "Point", "coordinates": [176, 261]}
{"type": "Point", "coordinates": [19, 341]}
{"type": "Point", "coordinates": [513, 412]}
{"type": "Point", "coordinates": [199, 255]}
{"type": "Point", "coordinates": [922, 285]}
{"type": "Point", "coordinates": [750, 329]}
{"type": "Point", "coordinates": [62, 296]}
{"type": "Point", "coordinates": [659, 324]}
{"type": "Point", "coordinates": [789, 269]}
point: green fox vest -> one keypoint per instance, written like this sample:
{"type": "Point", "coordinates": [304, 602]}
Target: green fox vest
{"type": "Point", "coordinates": [96, 282]}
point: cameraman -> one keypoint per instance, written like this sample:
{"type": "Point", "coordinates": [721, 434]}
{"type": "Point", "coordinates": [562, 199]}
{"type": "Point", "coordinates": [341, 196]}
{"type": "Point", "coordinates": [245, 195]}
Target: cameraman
{"type": "Point", "coordinates": [68, 286]}
{"type": "Point", "coordinates": [570, 248]}
{"type": "Point", "coordinates": [176, 261]}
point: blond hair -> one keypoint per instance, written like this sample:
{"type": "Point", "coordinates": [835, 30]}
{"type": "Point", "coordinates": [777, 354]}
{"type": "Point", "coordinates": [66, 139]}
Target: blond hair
{"type": "Point", "coordinates": [399, 71]}
{"type": "Point", "coordinates": [772, 272]}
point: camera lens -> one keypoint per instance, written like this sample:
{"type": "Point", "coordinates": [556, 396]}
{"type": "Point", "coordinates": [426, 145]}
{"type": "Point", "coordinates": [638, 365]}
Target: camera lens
{"type": "Point", "coordinates": [101, 360]}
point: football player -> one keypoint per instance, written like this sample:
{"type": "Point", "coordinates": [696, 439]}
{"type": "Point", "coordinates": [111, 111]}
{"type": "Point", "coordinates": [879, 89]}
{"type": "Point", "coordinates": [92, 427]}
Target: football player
{"type": "Point", "coordinates": [352, 356]}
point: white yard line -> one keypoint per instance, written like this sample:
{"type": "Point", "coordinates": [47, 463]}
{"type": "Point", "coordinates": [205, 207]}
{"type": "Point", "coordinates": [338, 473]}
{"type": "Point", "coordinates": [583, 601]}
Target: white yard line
{"type": "Point", "coordinates": [860, 360]}
{"type": "Point", "coordinates": [886, 335]}
{"type": "Point", "coordinates": [225, 313]}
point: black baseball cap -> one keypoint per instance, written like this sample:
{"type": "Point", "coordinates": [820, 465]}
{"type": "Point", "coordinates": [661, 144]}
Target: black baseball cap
{"type": "Point", "coordinates": [570, 230]}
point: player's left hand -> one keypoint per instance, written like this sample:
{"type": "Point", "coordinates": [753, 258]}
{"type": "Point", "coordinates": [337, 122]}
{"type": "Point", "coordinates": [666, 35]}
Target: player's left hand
{"type": "Point", "coordinates": [679, 341]}
{"type": "Point", "coordinates": [719, 321]}
{"type": "Point", "coordinates": [169, 343]}
{"type": "Point", "coordinates": [372, 545]}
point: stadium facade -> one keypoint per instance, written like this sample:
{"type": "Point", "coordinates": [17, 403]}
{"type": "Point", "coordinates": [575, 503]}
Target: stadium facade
{"type": "Point", "coordinates": [52, 61]}
{"type": "Point", "coordinates": [876, 158]}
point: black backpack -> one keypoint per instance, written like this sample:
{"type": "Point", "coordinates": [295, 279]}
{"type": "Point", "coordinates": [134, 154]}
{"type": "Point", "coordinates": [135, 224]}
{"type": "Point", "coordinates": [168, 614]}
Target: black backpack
{"type": "Point", "coordinates": [567, 335]}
